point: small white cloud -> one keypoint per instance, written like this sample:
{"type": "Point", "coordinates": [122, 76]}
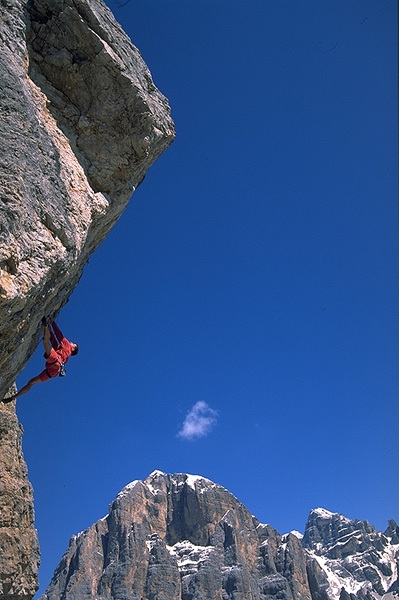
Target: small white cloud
{"type": "Point", "coordinates": [198, 422]}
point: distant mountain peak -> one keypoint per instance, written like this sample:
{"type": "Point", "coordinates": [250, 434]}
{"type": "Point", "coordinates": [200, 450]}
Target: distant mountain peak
{"type": "Point", "coordinates": [155, 473]}
{"type": "Point", "coordinates": [179, 480]}
{"type": "Point", "coordinates": [323, 513]}
{"type": "Point", "coordinates": [183, 537]}
{"type": "Point", "coordinates": [353, 555]}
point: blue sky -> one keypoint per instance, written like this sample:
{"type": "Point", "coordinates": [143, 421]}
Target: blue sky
{"type": "Point", "coordinates": [240, 321]}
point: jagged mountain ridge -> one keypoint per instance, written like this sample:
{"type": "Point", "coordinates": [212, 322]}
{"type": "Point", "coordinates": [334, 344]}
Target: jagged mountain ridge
{"type": "Point", "coordinates": [353, 554]}
{"type": "Point", "coordinates": [183, 537]}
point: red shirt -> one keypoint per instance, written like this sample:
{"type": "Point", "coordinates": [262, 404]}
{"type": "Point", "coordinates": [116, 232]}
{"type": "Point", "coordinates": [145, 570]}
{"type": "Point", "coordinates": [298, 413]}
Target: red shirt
{"type": "Point", "coordinates": [64, 350]}
{"type": "Point", "coordinates": [60, 353]}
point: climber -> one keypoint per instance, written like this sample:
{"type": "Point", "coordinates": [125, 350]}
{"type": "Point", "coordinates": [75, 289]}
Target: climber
{"type": "Point", "coordinates": [57, 350]}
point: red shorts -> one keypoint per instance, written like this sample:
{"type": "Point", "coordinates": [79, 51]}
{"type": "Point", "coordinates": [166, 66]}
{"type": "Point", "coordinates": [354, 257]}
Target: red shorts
{"type": "Point", "coordinates": [52, 366]}
{"type": "Point", "coordinates": [44, 376]}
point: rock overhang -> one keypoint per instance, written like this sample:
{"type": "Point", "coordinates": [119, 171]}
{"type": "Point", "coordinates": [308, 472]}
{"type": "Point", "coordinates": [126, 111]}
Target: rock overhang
{"type": "Point", "coordinates": [82, 122]}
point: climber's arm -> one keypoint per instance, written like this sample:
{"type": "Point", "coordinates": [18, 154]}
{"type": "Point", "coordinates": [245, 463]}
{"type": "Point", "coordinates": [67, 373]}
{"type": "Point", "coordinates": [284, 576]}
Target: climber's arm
{"type": "Point", "coordinates": [46, 340]}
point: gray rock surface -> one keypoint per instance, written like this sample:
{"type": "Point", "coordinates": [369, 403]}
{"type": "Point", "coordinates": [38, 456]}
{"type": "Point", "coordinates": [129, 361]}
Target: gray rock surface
{"type": "Point", "coordinates": [356, 558]}
{"type": "Point", "coordinates": [182, 537]}
{"type": "Point", "coordinates": [19, 549]}
{"type": "Point", "coordinates": [81, 122]}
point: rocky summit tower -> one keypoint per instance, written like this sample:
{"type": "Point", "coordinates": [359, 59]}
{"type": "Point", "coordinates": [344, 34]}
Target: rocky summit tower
{"type": "Point", "coordinates": [183, 537]}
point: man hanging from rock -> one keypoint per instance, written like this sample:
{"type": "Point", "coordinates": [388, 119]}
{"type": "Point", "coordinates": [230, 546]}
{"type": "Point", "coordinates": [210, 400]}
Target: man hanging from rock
{"type": "Point", "coordinates": [57, 350]}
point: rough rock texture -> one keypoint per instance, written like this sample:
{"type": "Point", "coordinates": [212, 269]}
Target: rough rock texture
{"type": "Point", "coordinates": [357, 560]}
{"type": "Point", "coordinates": [19, 550]}
{"type": "Point", "coordinates": [182, 537]}
{"type": "Point", "coordinates": [81, 122]}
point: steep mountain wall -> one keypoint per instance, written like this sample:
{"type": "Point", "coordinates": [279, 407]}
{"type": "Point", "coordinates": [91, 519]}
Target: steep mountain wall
{"type": "Point", "coordinates": [357, 560]}
{"type": "Point", "coordinates": [182, 537]}
{"type": "Point", "coordinates": [19, 549]}
{"type": "Point", "coordinates": [81, 122]}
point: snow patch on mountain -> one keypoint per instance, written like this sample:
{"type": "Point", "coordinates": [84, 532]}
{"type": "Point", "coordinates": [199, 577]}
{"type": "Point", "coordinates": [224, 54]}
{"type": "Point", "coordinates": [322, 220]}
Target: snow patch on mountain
{"type": "Point", "coordinates": [391, 561]}
{"type": "Point", "coordinates": [327, 514]}
{"type": "Point", "coordinates": [195, 482]}
{"type": "Point", "coordinates": [353, 555]}
{"type": "Point", "coordinates": [338, 578]}
{"type": "Point", "coordinates": [297, 534]}
{"type": "Point", "coordinates": [193, 479]}
{"type": "Point", "coordinates": [127, 489]}
{"type": "Point", "coordinates": [189, 557]}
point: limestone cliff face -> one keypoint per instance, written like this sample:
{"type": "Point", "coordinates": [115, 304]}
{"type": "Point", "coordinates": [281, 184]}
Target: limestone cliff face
{"type": "Point", "coordinates": [358, 562]}
{"type": "Point", "coordinates": [19, 550]}
{"type": "Point", "coordinates": [81, 122]}
{"type": "Point", "coordinates": [180, 537]}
